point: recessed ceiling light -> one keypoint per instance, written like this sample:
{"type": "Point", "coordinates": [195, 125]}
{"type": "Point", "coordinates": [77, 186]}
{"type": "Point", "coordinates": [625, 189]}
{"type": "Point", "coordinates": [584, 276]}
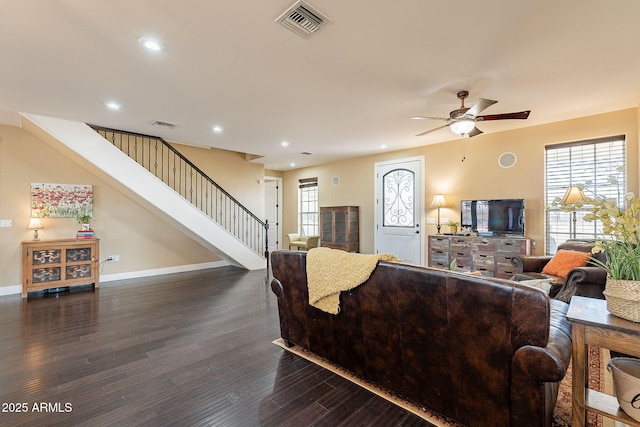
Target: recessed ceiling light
{"type": "Point", "coordinates": [112, 105]}
{"type": "Point", "coordinates": [383, 146]}
{"type": "Point", "coordinates": [292, 164]}
{"type": "Point", "coordinates": [217, 129]}
{"type": "Point", "coordinates": [285, 143]}
{"type": "Point", "coordinates": [151, 44]}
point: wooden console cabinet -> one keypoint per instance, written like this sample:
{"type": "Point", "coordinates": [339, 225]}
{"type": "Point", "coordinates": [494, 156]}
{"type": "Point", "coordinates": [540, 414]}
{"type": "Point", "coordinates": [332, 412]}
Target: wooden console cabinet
{"type": "Point", "coordinates": [340, 228]}
{"type": "Point", "coordinates": [491, 256]}
{"type": "Point", "coordinates": [50, 264]}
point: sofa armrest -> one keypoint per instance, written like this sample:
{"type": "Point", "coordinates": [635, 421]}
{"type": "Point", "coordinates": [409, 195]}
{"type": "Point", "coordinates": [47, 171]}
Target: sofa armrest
{"type": "Point", "coordinates": [589, 281]}
{"type": "Point", "coordinates": [277, 289]}
{"type": "Point", "coordinates": [530, 263]}
{"type": "Point", "coordinates": [312, 241]}
{"type": "Point", "coordinates": [533, 368]}
{"type": "Point", "coordinates": [587, 274]}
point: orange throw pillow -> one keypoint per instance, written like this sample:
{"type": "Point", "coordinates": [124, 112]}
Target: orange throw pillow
{"type": "Point", "coordinates": [564, 260]}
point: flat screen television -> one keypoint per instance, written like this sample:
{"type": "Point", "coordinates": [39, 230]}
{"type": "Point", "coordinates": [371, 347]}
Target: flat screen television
{"type": "Point", "coordinates": [498, 217]}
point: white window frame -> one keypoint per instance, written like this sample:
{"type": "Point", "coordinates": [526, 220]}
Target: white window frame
{"type": "Point", "coordinates": [308, 210]}
{"type": "Point", "coordinates": [587, 163]}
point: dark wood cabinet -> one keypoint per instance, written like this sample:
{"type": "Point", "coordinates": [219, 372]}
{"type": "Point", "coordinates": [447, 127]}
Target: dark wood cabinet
{"type": "Point", "coordinates": [50, 264]}
{"type": "Point", "coordinates": [340, 228]}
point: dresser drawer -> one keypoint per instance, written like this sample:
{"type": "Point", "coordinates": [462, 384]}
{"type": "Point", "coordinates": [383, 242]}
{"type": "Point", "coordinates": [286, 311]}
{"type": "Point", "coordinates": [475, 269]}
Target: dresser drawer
{"type": "Point", "coordinates": [514, 246]}
{"type": "Point", "coordinates": [504, 259]}
{"type": "Point", "coordinates": [483, 261]}
{"type": "Point", "coordinates": [438, 264]}
{"type": "Point", "coordinates": [484, 245]}
{"type": "Point", "coordinates": [504, 273]}
{"type": "Point", "coordinates": [441, 257]}
{"type": "Point", "coordinates": [439, 243]}
{"type": "Point", "coordinates": [464, 262]}
{"type": "Point", "coordinates": [461, 246]}
{"type": "Point", "coordinates": [504, 268]}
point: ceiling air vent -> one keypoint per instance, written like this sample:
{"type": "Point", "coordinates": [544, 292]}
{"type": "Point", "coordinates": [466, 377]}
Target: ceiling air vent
{"type": "Point", "coordinates": [303, 19]}
{"type": "Point", "coordinates": [163, 124]}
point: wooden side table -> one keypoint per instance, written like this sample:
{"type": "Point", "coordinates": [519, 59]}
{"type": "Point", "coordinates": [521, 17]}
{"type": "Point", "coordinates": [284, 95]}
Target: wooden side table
{"type": "Point", "coordinates": [594, 326]}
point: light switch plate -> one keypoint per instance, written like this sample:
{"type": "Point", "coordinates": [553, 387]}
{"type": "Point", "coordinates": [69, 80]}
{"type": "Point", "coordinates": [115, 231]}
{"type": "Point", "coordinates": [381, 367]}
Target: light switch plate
{"type": "Point", "coordinates": [431, 221]}
{"type": "Point", "coordinates": [6, 223]}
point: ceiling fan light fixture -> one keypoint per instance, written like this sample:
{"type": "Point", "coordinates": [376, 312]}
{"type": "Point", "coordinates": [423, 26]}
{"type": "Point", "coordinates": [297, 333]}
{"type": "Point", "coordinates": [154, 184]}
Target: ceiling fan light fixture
{"type": "Point", "coordinates": [462, 127]}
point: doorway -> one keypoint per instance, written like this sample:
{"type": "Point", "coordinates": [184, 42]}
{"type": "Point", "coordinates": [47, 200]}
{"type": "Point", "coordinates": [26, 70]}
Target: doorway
{"type": "Point", "coordinates": [273, 211]}
{"type": "Point", "coordinates": [399, 209]}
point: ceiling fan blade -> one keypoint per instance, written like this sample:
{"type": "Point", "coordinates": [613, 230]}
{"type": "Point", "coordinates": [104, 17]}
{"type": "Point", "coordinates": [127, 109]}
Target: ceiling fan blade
{"type": "Point", "coordinates": [475, 131]}
{"type": "Point", "coordinates": [479, 106]}
{"type": "Point", "coordinates": [520, 115]}
{"type": "Point", "coordinates": [433, 130]}
{"type": "Point", "coordinates": [428, 117]}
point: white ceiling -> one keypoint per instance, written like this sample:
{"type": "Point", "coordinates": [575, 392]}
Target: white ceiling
{"type": "Point", "coordinates": [342, 93]}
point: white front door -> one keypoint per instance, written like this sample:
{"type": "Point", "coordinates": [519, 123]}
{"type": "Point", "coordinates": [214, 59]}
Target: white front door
{"type": "Point", "coordinates": [399, 209]}
{"type": "Point", "coordinates": [273, 211]}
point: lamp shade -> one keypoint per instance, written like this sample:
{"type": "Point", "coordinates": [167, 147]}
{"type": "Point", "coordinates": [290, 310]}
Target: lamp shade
{"type": "Point", "coordinates": [438, 201]}
{"type": "Point", "coordinates": [35, 223]}
{"type": "Point", "coordinates": [462, 127]}
{"type": "Point", "coordinates": [572, 195]}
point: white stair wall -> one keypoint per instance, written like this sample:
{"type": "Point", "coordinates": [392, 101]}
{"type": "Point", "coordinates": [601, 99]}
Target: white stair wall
{"type": "Point", "coordinates": [81, 142]}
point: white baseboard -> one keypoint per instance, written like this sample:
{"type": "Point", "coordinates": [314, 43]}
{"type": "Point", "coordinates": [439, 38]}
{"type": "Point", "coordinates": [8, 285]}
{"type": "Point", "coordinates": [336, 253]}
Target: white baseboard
{"type": "Point", "coordinates": [17, 289]}
{"type": "Point", "coordinates": [10, 290]}
{"type": "Point", "coordinates": [160, 271]}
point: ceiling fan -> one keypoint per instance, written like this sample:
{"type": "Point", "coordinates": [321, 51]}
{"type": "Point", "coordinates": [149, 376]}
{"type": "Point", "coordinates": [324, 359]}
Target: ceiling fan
{"type": "Point", "coordinates": [463, 120]}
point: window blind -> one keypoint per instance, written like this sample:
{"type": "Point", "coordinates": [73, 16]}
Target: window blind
{"type": "Point", "coordinates": [593, 164]}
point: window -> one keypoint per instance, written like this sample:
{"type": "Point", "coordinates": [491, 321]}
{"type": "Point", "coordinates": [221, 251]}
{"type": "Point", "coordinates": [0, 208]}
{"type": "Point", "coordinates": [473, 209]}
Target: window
{"type": "Point", "coordinates": [398, 188]}
{"type": "Point", "coordinates": [590, 163]}
{"type": "Point", "coordinates": [308, 207]}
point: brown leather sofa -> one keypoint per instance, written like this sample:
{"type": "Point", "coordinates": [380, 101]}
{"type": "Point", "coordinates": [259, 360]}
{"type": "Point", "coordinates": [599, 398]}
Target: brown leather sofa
{"type": "Point", "coordinates": [482, 351]}
{"type": "Point", "coordinates": [587, 281]}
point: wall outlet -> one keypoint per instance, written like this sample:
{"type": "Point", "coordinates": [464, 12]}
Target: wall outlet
{"type": "Point", "coordinates": [113, 258]}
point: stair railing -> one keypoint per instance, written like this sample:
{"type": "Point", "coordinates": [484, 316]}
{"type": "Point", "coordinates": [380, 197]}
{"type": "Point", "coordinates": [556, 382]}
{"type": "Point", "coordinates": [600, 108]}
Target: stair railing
{"type": "Point", "coordinates": [158, 157]}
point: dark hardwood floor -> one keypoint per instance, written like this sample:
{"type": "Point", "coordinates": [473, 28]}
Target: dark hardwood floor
{"type": "Point", "coordinates": [188, 349]}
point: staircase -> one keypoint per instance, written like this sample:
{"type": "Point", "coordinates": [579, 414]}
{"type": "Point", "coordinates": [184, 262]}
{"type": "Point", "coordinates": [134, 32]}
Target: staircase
{"type": "Point", "coordinates": [156, 172]}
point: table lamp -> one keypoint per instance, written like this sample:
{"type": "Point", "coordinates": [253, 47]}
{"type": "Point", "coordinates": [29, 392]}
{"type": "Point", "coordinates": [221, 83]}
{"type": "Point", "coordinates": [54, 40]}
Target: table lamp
{"type": "Point", "coordinates": [35, 224]}
{"type": "Point", "coordinates": [438, 202]}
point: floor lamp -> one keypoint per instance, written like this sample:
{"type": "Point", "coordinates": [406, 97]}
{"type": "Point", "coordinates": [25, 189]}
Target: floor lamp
{"type": "Point", "coordinates": [572, 195]}
{"type": "Point", "coordinates": [438, 202]}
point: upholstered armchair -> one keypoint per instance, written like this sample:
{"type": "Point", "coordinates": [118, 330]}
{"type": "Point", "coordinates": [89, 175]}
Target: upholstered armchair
{"type": "Point", "coordinates": [304, 242]}
{"type": "Point", "coordinates": [588, 280]}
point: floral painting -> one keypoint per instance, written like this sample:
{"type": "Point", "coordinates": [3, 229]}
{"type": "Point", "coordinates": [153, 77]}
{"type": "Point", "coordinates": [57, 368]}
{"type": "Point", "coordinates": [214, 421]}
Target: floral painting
{"type": "Point", "coordinates": [61, 200]}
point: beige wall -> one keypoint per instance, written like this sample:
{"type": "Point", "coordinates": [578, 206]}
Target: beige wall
{"type": "Point", "coordinates": [144, 241]}
{"type": "Point", "coordinates": [478, 176]}
{"type": "Point", "coordinates": [230, 170]}
{"type": "Point", "coordinates": [124, 225]}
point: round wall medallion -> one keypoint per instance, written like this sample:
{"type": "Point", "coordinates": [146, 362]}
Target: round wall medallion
{"type": "Point", "coordinates": [335, 180]}
{"type": "Point", "coordinates": [507, 160]}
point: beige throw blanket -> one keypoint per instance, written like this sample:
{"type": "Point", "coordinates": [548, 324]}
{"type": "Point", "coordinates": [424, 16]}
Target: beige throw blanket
{"type": "Point", "coordinates": [330, 271]}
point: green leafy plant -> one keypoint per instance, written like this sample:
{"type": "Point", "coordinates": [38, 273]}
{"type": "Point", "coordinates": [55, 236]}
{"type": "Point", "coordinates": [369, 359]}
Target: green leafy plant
{"type": "Point", "coordinates": [84, 219]}
{"type": "Point", "coordinates": [453, 223]}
